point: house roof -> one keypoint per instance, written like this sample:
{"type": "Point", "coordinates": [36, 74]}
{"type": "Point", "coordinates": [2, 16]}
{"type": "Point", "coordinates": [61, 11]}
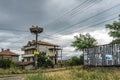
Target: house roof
{"type": "Point", "coordinates": [28, 47]}
{"type": "Point", "coordinates": [55, 49]}
{"type": "Point", "coordinates": [8, 53]}
{"type": "Point", "coordinates": [31, 43]}
{"type": "Point", "coordinates": [25, 63]}
{"type": "Point", "coordinates": [47, 43]}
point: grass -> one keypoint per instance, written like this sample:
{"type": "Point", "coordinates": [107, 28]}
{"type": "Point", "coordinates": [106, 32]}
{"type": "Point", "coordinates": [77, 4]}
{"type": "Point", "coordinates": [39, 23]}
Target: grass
{"type": "Point", "coordinates": [16, 71]}
{"type": "Point", "coordinates": [23, 71]}
{"type": "Point", "coordinates": [66, 73]}
{"type": "Point", "coordinates": [5, 76]}
{"type": "Point", "coordinates": [75, 73]}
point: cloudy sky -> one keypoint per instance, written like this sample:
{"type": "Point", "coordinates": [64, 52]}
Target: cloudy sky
{"type": "Point", "coordinates": [61, 20]}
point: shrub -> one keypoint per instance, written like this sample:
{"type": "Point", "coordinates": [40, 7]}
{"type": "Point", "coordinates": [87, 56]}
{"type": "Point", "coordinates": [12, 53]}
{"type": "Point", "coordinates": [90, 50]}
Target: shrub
{"type": "Point", "coordinates": [74, 61]}
{"type": "Point", "coordinates": [6, 63]}
{"type": "Point", "coordinates": [43, 60]}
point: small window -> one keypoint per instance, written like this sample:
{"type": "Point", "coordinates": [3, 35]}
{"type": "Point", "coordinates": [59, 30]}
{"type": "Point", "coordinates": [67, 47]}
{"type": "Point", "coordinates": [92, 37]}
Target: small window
{"type": "Point", "coordinates": [28, 59]}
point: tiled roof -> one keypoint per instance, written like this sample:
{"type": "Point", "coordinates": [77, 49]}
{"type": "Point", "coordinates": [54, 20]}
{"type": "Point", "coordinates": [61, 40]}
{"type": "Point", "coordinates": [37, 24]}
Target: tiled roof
{"type": "Point", "coordinates": [25, 63]}
{"type": "Point", "coordinates": [55, 49]}
{"type": "Point", "coordinates": [42, 43]}
{"type": "Point", "coordinates": [47, 43]}
{"type": "Point", "coordinates": [8, 53]}
{"type": "Point", "coordinates": [28, 47]}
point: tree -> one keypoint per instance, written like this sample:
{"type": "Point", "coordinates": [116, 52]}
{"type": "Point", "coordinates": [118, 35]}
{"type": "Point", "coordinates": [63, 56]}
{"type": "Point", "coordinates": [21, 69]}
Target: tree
{"type": "Point", "coordinates": [43, 60]}
{"type": "Point", "coordinates": [81, 60]}
{"type": "Point", "coordinates": [83, 41]}
{"type": "Point", "coordinates": [114, 31]}
{"type": "Point", "coordinates": [74, 61]}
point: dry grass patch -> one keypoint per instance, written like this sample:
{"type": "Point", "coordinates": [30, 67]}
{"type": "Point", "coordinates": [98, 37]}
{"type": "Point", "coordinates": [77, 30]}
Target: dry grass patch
{"type": "Point", "coordinates": [75, 73]}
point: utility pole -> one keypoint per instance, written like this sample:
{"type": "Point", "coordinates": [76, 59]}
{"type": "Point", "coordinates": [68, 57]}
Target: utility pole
{"type": "Point", "coordinates": [61, 58]}
{"type": "Point", "coordinates": [36, 30]}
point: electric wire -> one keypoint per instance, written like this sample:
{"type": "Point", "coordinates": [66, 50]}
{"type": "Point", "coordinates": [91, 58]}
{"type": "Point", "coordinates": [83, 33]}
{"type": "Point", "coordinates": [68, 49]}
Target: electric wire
{"type": "Point", "coordinates": [84, 20]}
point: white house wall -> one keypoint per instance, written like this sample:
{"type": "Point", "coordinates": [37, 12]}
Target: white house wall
{"type": "Point", "coordinates": [43, 48]}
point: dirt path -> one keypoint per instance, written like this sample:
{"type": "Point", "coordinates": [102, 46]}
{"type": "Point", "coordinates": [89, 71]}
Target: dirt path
{"type": "Point", "coordinates": [12, 77]}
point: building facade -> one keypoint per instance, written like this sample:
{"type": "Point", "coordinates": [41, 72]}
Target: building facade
{"type": "Point", "coordinates": [7, 54]}
{"type": "Point", "coordinates": [50, 49]}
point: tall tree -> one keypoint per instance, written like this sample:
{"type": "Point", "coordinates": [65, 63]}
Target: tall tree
{"type": "Point", "coordinates": [83, 41]}
{"type": "Point", "coordinates": [114, 31]}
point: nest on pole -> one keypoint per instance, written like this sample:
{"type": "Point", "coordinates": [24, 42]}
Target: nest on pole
{"type": "Point", "coordinates": [36, 29]}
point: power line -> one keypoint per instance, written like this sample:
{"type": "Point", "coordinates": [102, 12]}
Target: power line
{"type": "Point", "coordinates": [28, 31]}
{"type": "Point", "coordinates": [82, 27]}
{"type": "Point", "coordinates": [86, 19]}
{"type": "Point", "coordinates": [50, 35]}
{"type": "Point", "coordinates": [87, 26]}
{"type": "Point", "coordinates": [91, 25]}
{"type": "Point", "coordinates": [85, 8]}
{"type": "Point", "coordinates": [68, 12]}
{"type": "Point", "coordinates": [82, 10]}
{"type": "Point", "coordinates": [97, 23]}
{"type": "Point", "coordinates": [78, 7]}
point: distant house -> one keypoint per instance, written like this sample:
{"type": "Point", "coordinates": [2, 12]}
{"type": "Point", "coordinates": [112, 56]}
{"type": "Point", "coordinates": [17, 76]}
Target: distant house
{"type": "Point", "coordinates": [50, 49]}
{"type": "Point", "coordinates": [7, 54]}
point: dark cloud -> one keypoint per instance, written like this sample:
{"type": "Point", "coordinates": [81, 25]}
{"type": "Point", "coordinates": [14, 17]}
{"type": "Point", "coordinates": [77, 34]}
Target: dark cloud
{"type": "Point", "coordinates": [24, 13]}
{"type": "Point", "coordinates": [17, 16]}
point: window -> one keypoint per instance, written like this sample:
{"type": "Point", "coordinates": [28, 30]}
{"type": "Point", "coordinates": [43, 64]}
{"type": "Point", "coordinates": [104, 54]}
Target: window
{"type": "Point", "coordinates": [28, 59]}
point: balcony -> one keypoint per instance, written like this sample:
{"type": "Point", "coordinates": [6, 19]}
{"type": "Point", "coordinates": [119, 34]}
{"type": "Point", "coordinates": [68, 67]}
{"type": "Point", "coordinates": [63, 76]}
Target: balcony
{"type": "Point", "coordinates": [28, 48]}
{"type": "Point", "coordinates": [28, 55]}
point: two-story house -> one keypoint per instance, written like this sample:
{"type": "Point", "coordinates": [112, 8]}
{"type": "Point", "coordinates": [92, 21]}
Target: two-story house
{"type": "Point", "coordinates": [50, 49]}
{"type": "Point", "coordinates": [7, 54]}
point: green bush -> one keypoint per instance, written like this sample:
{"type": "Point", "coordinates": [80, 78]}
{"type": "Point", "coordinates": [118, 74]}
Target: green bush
{"type": "Point", "coordinates": [43, 60]}
{"type": "Point", "coordinates": [74, 61]}
{"type": "Point", "coordinates": [6, 63]}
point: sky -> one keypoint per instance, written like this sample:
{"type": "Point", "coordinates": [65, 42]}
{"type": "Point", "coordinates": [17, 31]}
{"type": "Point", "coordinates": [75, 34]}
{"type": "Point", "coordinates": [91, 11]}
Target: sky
{"type": "Point", "coordinates": [60, 19]}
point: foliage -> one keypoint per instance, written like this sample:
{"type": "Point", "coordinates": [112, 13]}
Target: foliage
{"type": "Point", "coordinates": [48, 63]}
{"type": "Point", "coordinates": [116, 41]}
{"type": "Point", "coordinates": [6, 63]}
{"type": "Point", "coordinates": [74, 61]}
{"type": "Point", "coordinates": [81, 60]}
{"type": "Point", "coordinates": [114, 31]}
{"type": "Point", "coordinates": [17, 70]}
{"type": "Point", "coordinates": [13, 65]}
{"type": "Point", "coordinates": [83, 41]}
{"type": "Point", "coordinates": [43, 60]}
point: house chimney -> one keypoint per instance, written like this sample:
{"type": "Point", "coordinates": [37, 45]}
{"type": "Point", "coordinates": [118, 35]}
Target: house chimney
{"type": "Point", "coordinates": [28, 41]}
{"type": "Point", "coordinates": [33, 40]}
{"type": "Point", "coordinates": [2, 49]}
{"type": "Point", "coordinates": [8, 49]}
